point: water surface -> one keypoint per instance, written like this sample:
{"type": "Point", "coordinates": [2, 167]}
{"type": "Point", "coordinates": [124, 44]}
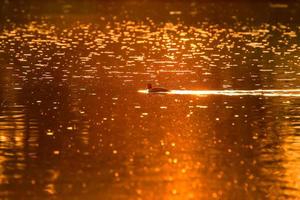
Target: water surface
{"type": "Point", "coordinates": [74, 126]}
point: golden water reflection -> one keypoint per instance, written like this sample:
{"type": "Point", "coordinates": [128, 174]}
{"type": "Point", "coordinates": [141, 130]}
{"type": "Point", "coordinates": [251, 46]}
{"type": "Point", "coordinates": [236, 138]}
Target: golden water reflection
{"type": "Point", "coordinates": [73, 126]}
{"type": "Point", "coordinates": [174, 147]}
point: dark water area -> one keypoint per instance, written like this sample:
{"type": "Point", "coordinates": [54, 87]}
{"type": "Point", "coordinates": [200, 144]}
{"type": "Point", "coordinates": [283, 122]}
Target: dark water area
{"type": "Point", "coordinates": [73, 125]}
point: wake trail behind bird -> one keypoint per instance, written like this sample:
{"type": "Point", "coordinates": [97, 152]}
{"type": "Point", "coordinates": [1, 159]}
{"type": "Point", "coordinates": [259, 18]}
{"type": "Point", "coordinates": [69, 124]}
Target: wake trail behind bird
{"type": "Point", "coordinates": [260, 92]}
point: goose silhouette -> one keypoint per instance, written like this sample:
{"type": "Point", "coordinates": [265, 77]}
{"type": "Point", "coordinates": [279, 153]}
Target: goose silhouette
{"type": "Point", "coordinates": [156, 89]}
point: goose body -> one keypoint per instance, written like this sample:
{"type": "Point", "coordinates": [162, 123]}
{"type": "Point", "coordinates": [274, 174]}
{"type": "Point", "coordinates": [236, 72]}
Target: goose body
{"type": "Point", "coordinates": [156, 89]}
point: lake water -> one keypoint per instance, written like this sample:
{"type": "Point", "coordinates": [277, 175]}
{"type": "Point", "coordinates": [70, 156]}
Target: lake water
{"type": "Point", "coordinates": [74, 126]}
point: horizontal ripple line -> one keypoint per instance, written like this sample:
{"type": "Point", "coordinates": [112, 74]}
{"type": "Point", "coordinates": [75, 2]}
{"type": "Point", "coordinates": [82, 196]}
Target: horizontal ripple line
{"type": "Point", "coordinates": [260, 92]}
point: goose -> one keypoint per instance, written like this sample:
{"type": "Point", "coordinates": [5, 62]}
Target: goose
{"type": "Point", "coordinates": [156, 89]}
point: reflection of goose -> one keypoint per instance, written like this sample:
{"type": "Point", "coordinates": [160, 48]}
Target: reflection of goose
{"type": "Point", "coordinates": [156, 90]}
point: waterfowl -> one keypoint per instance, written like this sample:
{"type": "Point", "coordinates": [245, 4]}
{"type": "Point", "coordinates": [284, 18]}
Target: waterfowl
{"type": "Point", "coordinates": [156, 89]}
